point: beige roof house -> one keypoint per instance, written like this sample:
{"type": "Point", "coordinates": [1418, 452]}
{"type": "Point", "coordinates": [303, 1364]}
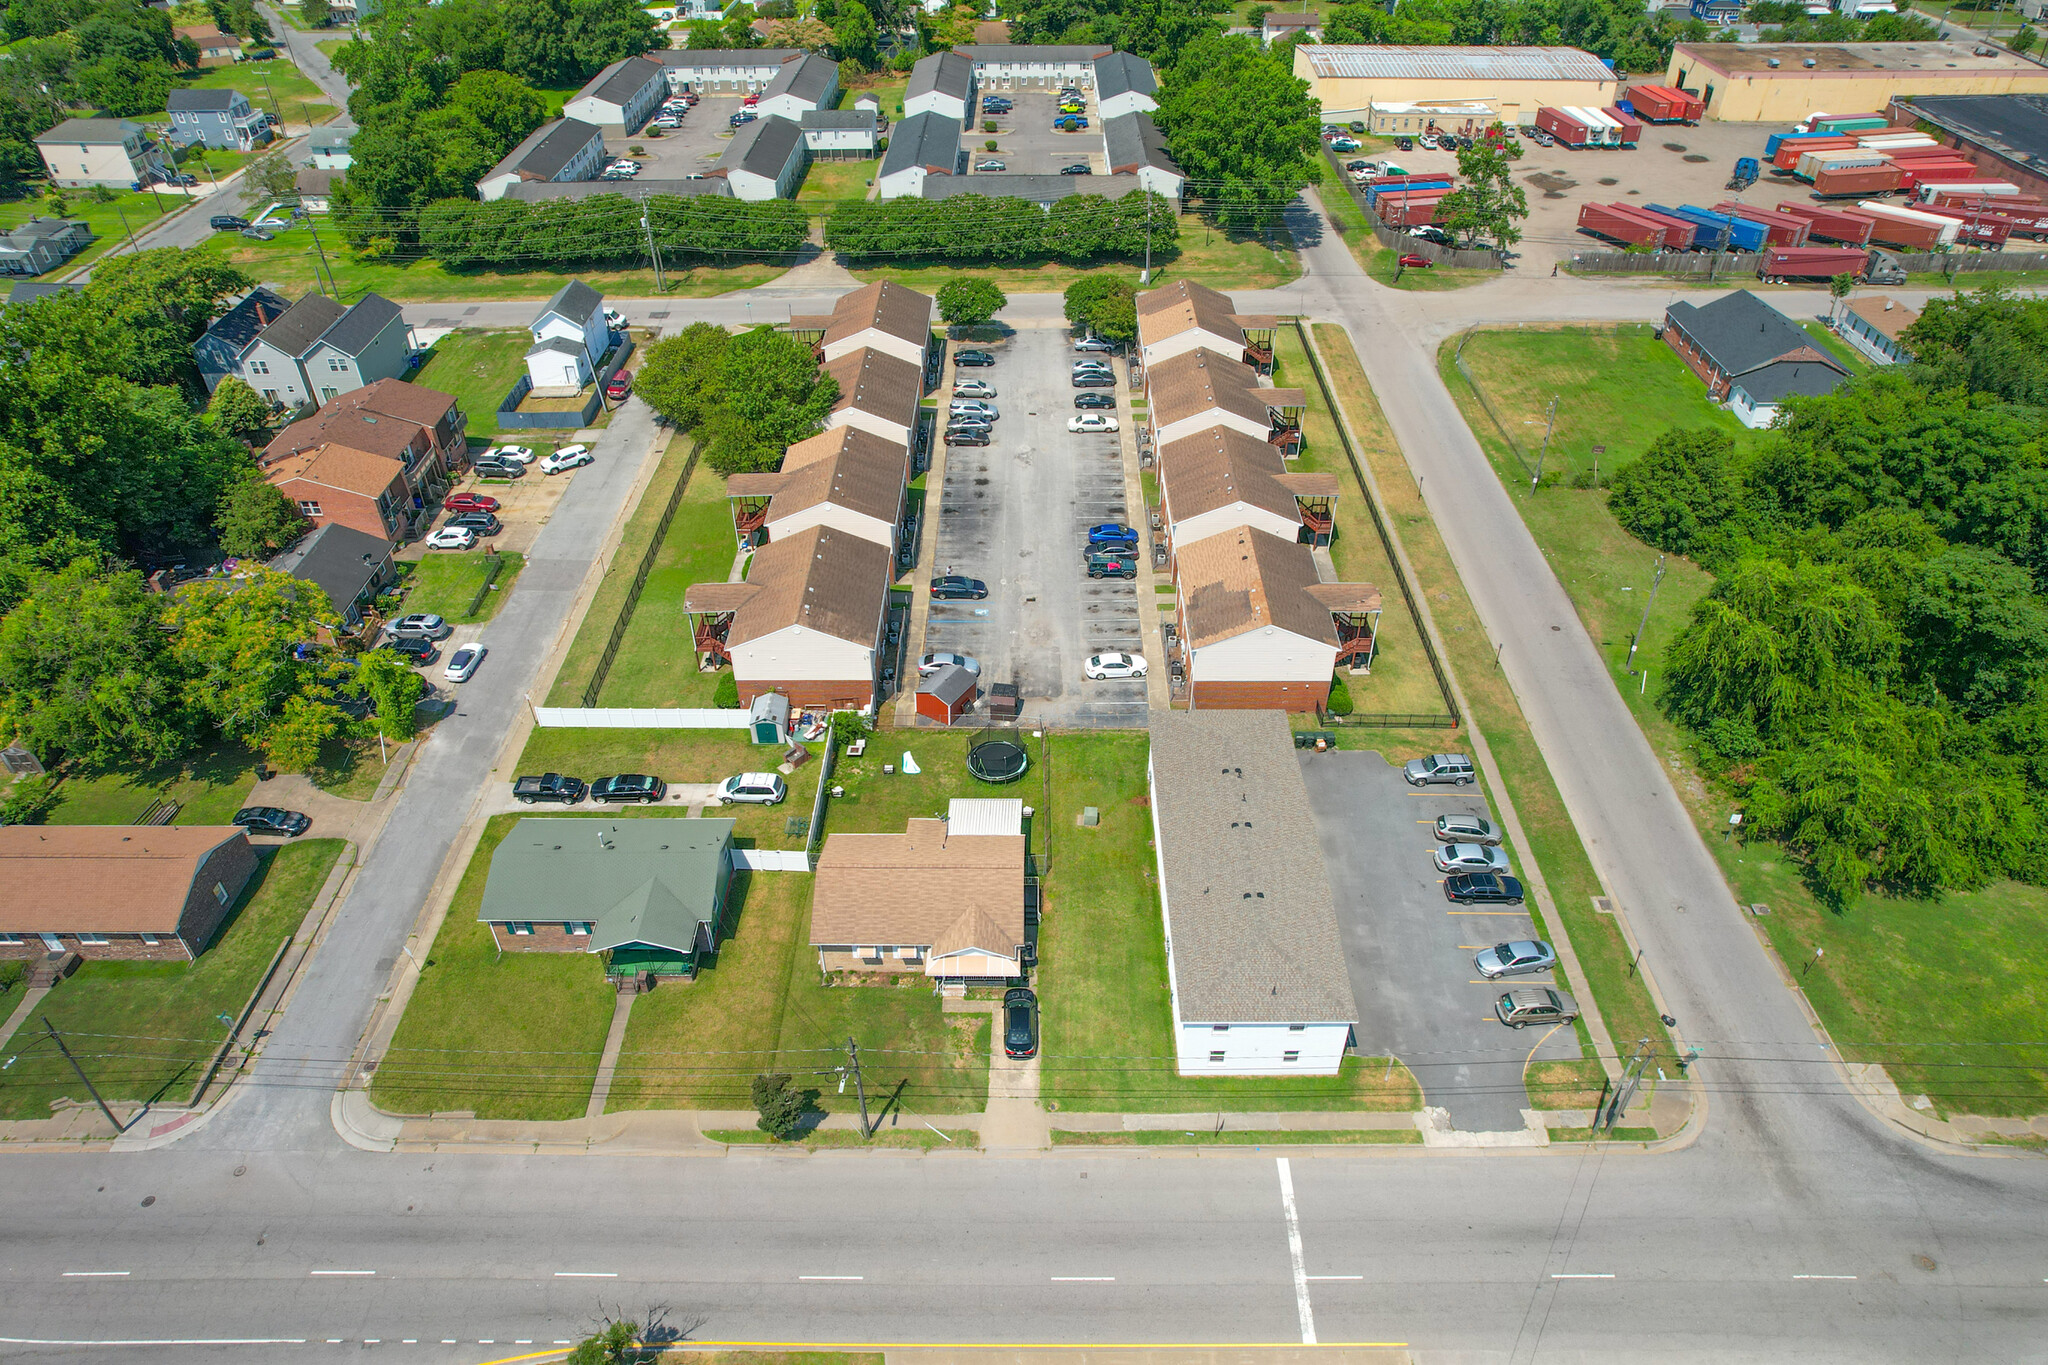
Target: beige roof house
{"type": "Point", "coordinates": [1257, 629]}
{"type": "Point", "coordinates": [1201, 387]}
{"type": "Point", "coordinates": [944, 904]}
{"type": "Point", "coordinates": [1219, 479]}
{"type": "Point", "coordinates": [126, 891]}
{"type": "Point", "coordinates": [878, 392]}
{"type": "Point", "coordinates": [884, 315]}
{"type": "Point", "coordinates": [847, 477]}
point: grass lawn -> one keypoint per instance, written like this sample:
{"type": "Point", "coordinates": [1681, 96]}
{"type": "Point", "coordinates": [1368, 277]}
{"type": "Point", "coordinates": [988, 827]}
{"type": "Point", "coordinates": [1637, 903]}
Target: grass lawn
{"type": "Point", "coordinates": [1401, 680]}
{"type": "Point", "coordinates": [111, 221]}
{"type": "Point", "coordinates": [516, 1036]}
{"type": "Point", "coordinates": [680, 756]}
{"type": "Point", "coordinates": [479, 368]}
{"type": "Point", "coordinates": [145, 1030]}
{"type": "Point", "coordinates": [445, 582]}
{"type": "Point", "coordinates": [595, 632]}
{"type": "Point", "coordinates": [1833, 345]}
{"type": "Point", "coordinates": [351, 768]}
{"type": "Point", "coordinates": [913, 1135]}
{"type": "Point", "coordinates": [276, 85]}
{"type": "Point", "coordinates": [209, 787]}
{"type": "Point", "coordinates": [837, 181]}
{"type": "Point", "coordinates": [1205, 254]}
{"type": "Point", "coordinates": [1107, 1041]}
{"type": "Point", "coordinates": [889, 90]}
{"type": "Point", "coordinates": [288, 263]}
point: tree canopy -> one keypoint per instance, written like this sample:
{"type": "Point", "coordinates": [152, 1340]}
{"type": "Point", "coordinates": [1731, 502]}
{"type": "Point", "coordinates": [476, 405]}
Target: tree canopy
{"type": "Point", "coordinates": [1241, 126]}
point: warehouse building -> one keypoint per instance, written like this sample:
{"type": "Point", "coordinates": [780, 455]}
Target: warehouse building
{"type": "Point", "coordinates": [1784, 82]}
{"type": "Point", "coordinates": [1353, 81]}
{"type": "Point", "coordinates": [2006, 135]}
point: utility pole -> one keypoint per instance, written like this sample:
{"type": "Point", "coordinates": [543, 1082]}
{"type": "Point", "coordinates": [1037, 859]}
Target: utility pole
{"type": "Point", "coordinates": [1655, 583]}
{"type": "Point", "coordinates": [58, 1039]}
{"type": "Point", "coordinates": [859, 1086]}
{"type": "Point", "coordinates": [322, 250]}
{"type": "Point", "coordinates": [654, 251]}
{"type": "Point", "coordinates": [1549, 420]}
{"type": "Point", "coordinates": [129, 230]}
{"type": "Point", "coordinates": [1631, 1078]}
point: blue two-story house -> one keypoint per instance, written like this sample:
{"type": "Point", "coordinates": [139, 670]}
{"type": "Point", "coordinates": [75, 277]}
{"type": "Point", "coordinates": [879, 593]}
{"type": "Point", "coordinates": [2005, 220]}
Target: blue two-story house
{"type": "Point", "coordinates": [220, 118]}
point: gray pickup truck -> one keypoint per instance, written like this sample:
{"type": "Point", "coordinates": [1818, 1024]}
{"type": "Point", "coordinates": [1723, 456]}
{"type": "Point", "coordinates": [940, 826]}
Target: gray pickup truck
{"type": "Point", "coordinates": [549, 787]}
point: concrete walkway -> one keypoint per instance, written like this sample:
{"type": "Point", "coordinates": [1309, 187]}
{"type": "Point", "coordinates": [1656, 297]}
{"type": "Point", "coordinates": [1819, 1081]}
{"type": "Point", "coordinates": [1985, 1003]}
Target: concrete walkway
{"type": "Point", "coordinates": [601, 1089]}
{"type": "Point", "coordinates": [30, 998]}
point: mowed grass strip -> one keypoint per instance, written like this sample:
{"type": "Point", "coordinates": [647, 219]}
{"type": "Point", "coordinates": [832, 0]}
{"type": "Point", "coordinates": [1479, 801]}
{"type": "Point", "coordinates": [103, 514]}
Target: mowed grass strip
{"type": "Point", "coordinates": [1247, 1137]}
{"type": "Point", "coordinates": [479, 368]}
{"type": "Point", "coordinates": [209, 786]}
{"type": "Point", "coordinates": [445, 583]}
{"type": "Point", "coordinates": [146, 1030]}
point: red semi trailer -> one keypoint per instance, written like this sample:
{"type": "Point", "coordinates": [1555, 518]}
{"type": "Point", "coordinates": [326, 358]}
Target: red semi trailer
{"type": "Point", "coordinates": [1619, 223]}
{"type": "Point", "coordinates": [1832, 225]}
{"type": "Point", "coordinates": [1665, 104]}
{"type": "Point", "coordinates": [1631, 129]}
{"type": "Point", "coordinates": [1856, 182]}
{"type": "Point", "coordinates": [1785, 230]}
{"type": "Point", "coordinates": [1811, 263]}
{"type": "Point", "coordinates": [1563, 127]}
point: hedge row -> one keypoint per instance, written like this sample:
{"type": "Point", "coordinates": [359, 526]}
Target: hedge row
{"type": "Point", "coordinates": [973, 228]}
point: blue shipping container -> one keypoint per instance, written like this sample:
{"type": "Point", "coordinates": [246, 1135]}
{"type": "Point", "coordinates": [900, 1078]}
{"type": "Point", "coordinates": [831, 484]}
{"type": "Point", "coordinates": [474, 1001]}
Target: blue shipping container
{"type": "Point", "coordinates": [1744, 234]}
{"type": "Point", "coordinates": [1372, 193]}
{"type": "Point", "coordinates": [1713, 231]}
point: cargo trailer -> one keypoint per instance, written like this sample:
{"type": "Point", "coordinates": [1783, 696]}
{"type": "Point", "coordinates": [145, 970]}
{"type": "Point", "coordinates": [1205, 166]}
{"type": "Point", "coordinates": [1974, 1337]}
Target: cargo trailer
{"type": "Point", "coordinates": [1609, 129]}
{"type": "Point", "coordinates": [1620, 223]}
{"type": "Point", "coordinates": [1789, 151]}
{"type": "Point", "coordinates": [1405, 184]}
{"type": "Point", "coordinates": [1856, 182]}
{"type": "Point", "coordinates": [1927, 189]}
{"type": "Point", "coordinates": [1631, 129]}
{"type": "Point", "coordinates": [1978, 229]}
{"type": "Point", "coordinates": [1413, 212]}
{"type": "Point", "coordinates": [1811, 263]}
{"type": "Point", "coordinates": [1562, 126]}
{"type": "Point", "coordinates": [1837, 158]}
{"type": "Point", "coordinates": [1743, 233]}
{"type": "Point", "coordinates": [1914, 174]}
{"type": "Point", "coordinates": [1709, 233]}
{"type": "Point", "coordinates": [1664, 104]}
{"type": "Point", "coordinates": [1841, 123]}
{"type": "Point", "coordinates": [1831, 224]}
{"type": "Point", "coordinates": [1903, 234]}
{"type": "Point", "coordinates": [1679, 234]}
{"type": "Point", "coordinates": [1781, 229]}
{"type": "Point", "coordinates": [1880, 209]}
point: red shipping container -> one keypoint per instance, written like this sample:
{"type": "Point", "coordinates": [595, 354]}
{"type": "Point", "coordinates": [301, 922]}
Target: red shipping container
{"type": "Point", "coordinates": [1792, 149]}
{"type": "Point", "coordinates": [1897, 232]}
{"type": "Point", "coordinates": [1832, 225]}
{"type": "Point", "coordinates": [1859, 181]}
{"type": "Point", "coordinates": [1979, 229]}
{"type": "Point", "coordinates": [1621, 224]}
{"type": "Point", "coordinates": [1785, 230]}
{"type": "Point", "coordinates": [1409, 210]}
{"type": "Point", "coordinates": [1631, 129]}
{"type": "Point", "coordinates": [1679, 232]}
{"type": "Point", "coordinates": [1914, 174]}
{"type": "Point", "coordinates": [1810, 263]}
{"type": "Point", "coordinates": [1663, 104]}
{"type": "Point", "coordinates": [1563, 127]}
{"type": "Point", "coordinates": [1966, 200]}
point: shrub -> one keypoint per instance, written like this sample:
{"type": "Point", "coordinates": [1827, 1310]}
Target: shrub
{"type": "Point", "coordinates": [726, 695]}
{"type": "Point", "coordinates": [989, 145]}
{"type": "Point", "coordinates": [30, 803]}
{"type": "Point", "coordinates": [1340, 703]}
{"type": "Point", "coordinates": [781, 1106]}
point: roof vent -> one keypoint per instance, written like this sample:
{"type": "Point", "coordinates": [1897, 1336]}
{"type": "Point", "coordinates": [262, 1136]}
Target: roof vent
{"type": "Point", "coordinates": [1809, 63]}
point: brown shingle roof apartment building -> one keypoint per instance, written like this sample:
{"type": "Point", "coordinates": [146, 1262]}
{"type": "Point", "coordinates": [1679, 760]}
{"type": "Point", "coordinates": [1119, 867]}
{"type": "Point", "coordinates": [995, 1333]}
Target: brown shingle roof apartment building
{"type": "Point", "coordinates": [847, 478]}
{"type": "Point", "coordinates": [334, 484]}
{"type": "Point", "coordinates": [154, 893]}
{"type": "Point", "coordinates": [877, 392]}
{"type": "Point", "coordinates": [1220, 479]}
{"type": "Point", "coordinates": [1256, 628]}
{"type": "Point", "coordinates": [1185, 316]}
{"type": "Point", "coordinates": [1254, 962]}
{"type": "Point", "coordinates": [1202, 388]}
{"type": "Point", "coordinates": [807, 622]}
{"type": "Point", "coordinates": [883, 315]}
{"type": "Point", "coordinates": [419, 428]}
{"type": "Point", "coordinates": [935, 900]}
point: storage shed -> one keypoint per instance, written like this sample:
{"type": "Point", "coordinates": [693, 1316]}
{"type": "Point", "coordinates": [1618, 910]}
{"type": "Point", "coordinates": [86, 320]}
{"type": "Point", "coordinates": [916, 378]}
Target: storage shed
{"type": "Point", "coordinates": [947, 695]}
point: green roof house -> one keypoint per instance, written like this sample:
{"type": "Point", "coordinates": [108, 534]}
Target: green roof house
{"type": "Point", "coordinates": [649, 894]}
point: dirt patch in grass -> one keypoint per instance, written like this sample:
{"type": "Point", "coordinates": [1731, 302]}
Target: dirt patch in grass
{"type": "Point", "coordinates": [1576, 1084]}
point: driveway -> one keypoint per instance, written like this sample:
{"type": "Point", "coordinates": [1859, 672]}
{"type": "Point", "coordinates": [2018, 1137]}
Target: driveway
{"type": "Point", "coordinates": [1410, 951]}
{"type": "Point", "coordinates": [1015, 513]}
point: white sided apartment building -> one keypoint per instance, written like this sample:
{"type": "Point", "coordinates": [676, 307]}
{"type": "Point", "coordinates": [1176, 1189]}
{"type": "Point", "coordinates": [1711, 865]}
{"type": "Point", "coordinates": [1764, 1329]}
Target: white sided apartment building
{"type": "Point", "coordinates": [806, 623]}
{"type": "Point", "coordinates": [847, 478]}
{"type": "Point", "coordinates": [1185, 316]}
{"type": "Point", "coordinates": [885, 316]}
{"type": "Point", "coordinates": [878, 393]}
{"type": "Point", "coordinates": [1255, 965]}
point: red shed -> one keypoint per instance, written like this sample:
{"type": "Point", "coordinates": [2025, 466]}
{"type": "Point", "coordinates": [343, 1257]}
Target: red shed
{"type": "Point", "coordinates": [946, 695]}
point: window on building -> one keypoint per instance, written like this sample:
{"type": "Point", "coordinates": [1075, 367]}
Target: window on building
{"type": "Point", "coordinates": [10, 938]}
{"type": "Point", "coordinates": [519, 927]}
{"type": "Point", "coordinates": [1219, 1028]}
{"type": "Point", "coordinates": [336, 364]}
{"type": "Point", "coordinates": [578, 927]}
{"type": "Point", "coordinates": [220, 893]}
{"type": "Point", "coordinates": [1297, 1028]}
{"type": "Point", "coordinates": [309, 509]}
{"type": "Point", "coordinates": [1216, 1056]}
{"type": "Point", "coordinates": [149, 939]}
{"type": "Point", "coordinates": [92, 938]}
{"type": "Point", "coordinates": [1290, 1056]}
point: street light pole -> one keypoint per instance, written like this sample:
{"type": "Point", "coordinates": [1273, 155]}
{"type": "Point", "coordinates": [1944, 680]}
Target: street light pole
{"type": "Point", "coordinates": [1655, 583]}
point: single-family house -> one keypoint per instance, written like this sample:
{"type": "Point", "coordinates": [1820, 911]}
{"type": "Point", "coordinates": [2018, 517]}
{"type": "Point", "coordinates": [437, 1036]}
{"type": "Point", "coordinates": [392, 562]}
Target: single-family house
{"type": "Point", "coordinates": [922, 145]}
{"type": "Point", "coordinates": [41, 244]}
{"type": "Point", "coordinates": [1876, 326]}
{"type": "Point", "coordinates": [621, 97]}
{"type": "Point", "coordinates": [942, 84]}
{"type": "Point", "coordinates": [222, 119]}
{"type": "Point", "coordinates": [1042, 190]}
{"type": "Point", "coordinates": [1185, 316]}
{"type": "Point", "coordinates": [419, 428]}
{"type": "Point", "coordinates": [316, 189]}
{"type": "Point", "coordinates": [220, 349]}
{"type": "Point", "coordinates": [1124, 84]}
{"type": "Point", "coordinates": [1258, 629]}
{"type": "Point", "coordinates": [1199, 389]}
{"type": "Point", "coordinates": [28, 291]}
{"type": "Point", "coordinates": [723, 71]}
{"type": "Point", "coordinates": [1277, 26]}
{"type": "Point", "coordinates": [884, 315]}
{"type": "Point", "coordinates": [947, 694]}
{"type": "Point", "coordinates": [115, 152]}
{"type": "Point", "coordinates": [878, 392]}
{"type": "Point", "coordinates": [328, 146]}
{"type": "Point", "coordinates": [319, 350]}
{"type": "Point", "coordinates": [1133, 145]}
{"type": "Point", "coordinates": [847, 478]}
{"type": "Point", "coordinates": [841, 134]}
{"type": "Point", "coordinates": [566, 149]}
{"type": "Point", "coordinates": [350, 566]}
{"type": "Point", "coordinates": [945, 899]}
{"type": "Point", "coordinates": [1039, 66]}
{"type": "Point", "coordinates": [1220, 479]}
{"type": "Point", "coordinates": [570, 339]}
{"type": "Point", "coordinates": [807, 622]}
{"type": "Point", "coordinates": [807, 83]}
{"type": "Point", "coordinates": [1255, 965]}
{"type": "Point", "coordinates": [654, 895]}
{"type": "Point", "coordinates": [148, 893]}
{"type": "Point", "coordinates": [764, 160]}
{"type": "Point", "coordinates": [1749, 354]}
{"type": "Point", "coordinates": [215, 48]}
{"type": "Point", "coordinates": [333, 483]}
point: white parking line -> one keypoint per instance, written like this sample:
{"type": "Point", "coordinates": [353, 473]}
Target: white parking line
{"type": "Point", "coordinates": [93, 1274]}
{"type": "Point", "coordinates": [341, 1272]}
{"type": "Point", "coordinates": [1823, 1277]}
{"type": "Point", "coordinates": [1301, 1303]}
{"type": "Point", "coordinates": [830, 1277]}
{"type": "Point", "coordinates": [1333, 1277]}
{"type": "Point", "coordinates": [1084, 1279]}
{"type": "Point", "coordinates": [1582, 1277]}
{"type": "Point", "coordinates": [586, 1274]}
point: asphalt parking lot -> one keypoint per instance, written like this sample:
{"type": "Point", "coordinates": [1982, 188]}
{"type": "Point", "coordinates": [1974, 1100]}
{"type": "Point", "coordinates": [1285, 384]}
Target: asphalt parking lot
{"type": "Point", "coordinates": [1410, 950]}
{"type": "Point", "coordinates": [692, 149]}
{"type": "Point", "coordinates": [1026, 142]}
{"type": "Point", "coordinates": [1015, 513]}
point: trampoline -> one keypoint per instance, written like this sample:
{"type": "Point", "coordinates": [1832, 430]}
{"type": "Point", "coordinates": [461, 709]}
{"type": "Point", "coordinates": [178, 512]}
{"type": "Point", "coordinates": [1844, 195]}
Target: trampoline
{"type": "Point", "coordinates": [998, 760]}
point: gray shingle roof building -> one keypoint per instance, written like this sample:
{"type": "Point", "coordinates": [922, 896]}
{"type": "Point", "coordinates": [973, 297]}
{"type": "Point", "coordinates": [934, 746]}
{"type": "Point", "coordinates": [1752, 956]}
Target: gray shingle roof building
{"type": "Point", "coordinates": [1251, 924]}
{"type": "Point", "coordinates": [1741, 341]}
{"type": "Point", "coordinates": [621, 81]}
{"type": "Point", "coordinates": [547, 150]}
{"type": "Point", "coordinates": [1132, 141]}
{"type": "Point", "coordinates": [361, 324]}
{"type": "Point", "coordinates": [926, 140]}
{"type": "Point", "coordinates": [303, 324]}
{"type": "Point", "coordinates": [942, 73]}
{"type": "Point", "coordinates": [1044, 189]}
{"type": "Point", "coordinates": [809, 77]}
{"type": "Point", "coordinates": [762, 147]}
{"type": "Point", "coordinates": [574, 301]}
{"type": "Point", "coordinates": [344, 562]}
{"type": "Point", "coordinates": [1123, 73]}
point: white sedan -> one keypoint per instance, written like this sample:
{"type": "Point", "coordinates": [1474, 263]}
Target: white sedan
{"type": "Point", "coordinates": [1469, 858]}
{"type": "Point", "coordinates": [451, 538]}
{"type": "Point", "coordinates": [1091, 421]}
{"type": "Point", "coordinates": [463, 663]}
{"type": "Point", "coordinates": [512, 454]}
{"type": "Point", "coordinates": [567, 458]}
{"type": "Point", "coordinates": [1115, 665]}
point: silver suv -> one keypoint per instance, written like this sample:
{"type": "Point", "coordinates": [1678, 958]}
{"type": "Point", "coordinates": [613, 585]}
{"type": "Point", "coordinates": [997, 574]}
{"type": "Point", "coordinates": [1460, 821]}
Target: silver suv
{"type": "Point", "coordinates": [1535, 1005]}
{"type": "Point", "coordinates": [1453, 768]}
{"type": "Point", "coordinates": [761, 789]}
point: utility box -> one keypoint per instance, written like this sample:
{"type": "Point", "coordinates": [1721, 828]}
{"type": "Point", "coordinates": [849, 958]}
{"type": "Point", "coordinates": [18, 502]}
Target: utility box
{"type": "Point", "coordinates": [768, 718]}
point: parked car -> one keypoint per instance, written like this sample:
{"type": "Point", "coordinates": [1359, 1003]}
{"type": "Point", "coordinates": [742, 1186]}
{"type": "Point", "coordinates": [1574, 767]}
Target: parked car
{"type": "Point", "coordinates": [1329, 130]}
{"type": "Point", "coordinates": [938, 659]}
{"type": "Point", "coordinates": [181, 180]}
{"type": "Point", "coordinates": [629, 787]}
{"type": "Point", "coordinates": [272, 820]}
{"type": "Point", "coordinates": [1404, 144]}
{"type": "Point", "coordinates": [259, 234]}
{"type": "Point", "coordinates": [451, 538]}
{"type": "Point", "coordinates": [991, 164]}
{"type": "Point", "coordinates": [1519, 958]}
{"type": "Point", "coordinates": [420, 625]}
{"type": "Point", "coordinates": [973, 359]}
{"type": "Point", "coordinates": [973, 388]}
{"type": "Point", "coordinates": [1344, 144]}
{"type": "Point", "coordinates": [1428, 141]}
{"type": "Point", "coordinates": [412, 648]}
{"type": "Point", "coordinates": [1111, 564]}
{"type": "Point", "coordinates": [1362, 166]}
{"type": "Point", "coordinates": [1094, 379]}
{"type": "Point", "coordinates": [470, 502]}
{"type": "Point", "coordinates": [227, 222]}
{"type": "Point", "coordinates": [665, 121]}
{"type": "Point", "coordinates": [1069, 123]}
{"type": "Point", "coordinates": [565, 459]}
{"type": "Point", "coordinates": [1430, 232]}
{"type": "Point", "coordinates": [1452, 768]}
{"type": "Point", "coordinates": [1095, 344]}
{"type": "Point", "coordinates": [971, 421]}
{"type": "Point", "coordinates": [1466, 829]}
{"type": "Point", "coordinates": [974, 407]}
{"type": "Point", "coordinates": [487, 468]}
{"type": "Point", "coordinates": [1094, 369]}
{"type": "Point", "coordinates": [616, 175]}
{"type": "Point", "coordinates": [1020, 1022]}
{"type": "Point", "coordinates": [483, 523]}
{"type": "Point", "coordinates": [995, 104]}
{"type": "Point", "coordinates": [615, 320]}
{"type": "Point", "coordinates": [967, 436]}
{"type": "Point", "coordinates": [953, 587]}
{"type": "Point", "coordinates": [618, 386]}
{"type": "Point", "coordinates": [1114, 664]}
{"type": "Point", "coordinates": [509, 454]}
{"type": "Point", "coordinates": [1482, 888]}
{"type": "Point", "coordinates": [1411, 261]}
{"type": "Point", "coordinates": [566, 791]}
{"type": "Point", "coordinates": [751, 100]}
{"type": "Point", "coordinates": [462, 664]}
{"type": "Point", "coordinates": [1111, 533]}
{"type": "Point", "coordinates": [1469, 858]}
{"type": "Point", "coordinates": [753, 789]}
{"type": "Point", "coordinates": [1078, 167]}
{"type": "Point", "coordinates": [1091, 421]}
{"type": "Point", "coordinates": [742, 118]}
{"type": "Point", "coordinates": [1357, 126]}
{"type": "Point", "coordinates": [1535, 1005]}
{"type": "Point", "coordinates": [1541, 138]}
{"type": "Point", "coordinates": [1094, 400]}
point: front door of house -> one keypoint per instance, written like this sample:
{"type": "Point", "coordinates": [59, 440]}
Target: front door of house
{"type": "Point", "coordinates": [53, 943]}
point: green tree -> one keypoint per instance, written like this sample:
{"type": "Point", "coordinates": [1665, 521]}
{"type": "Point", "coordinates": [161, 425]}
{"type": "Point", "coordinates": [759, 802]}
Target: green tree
{"type": "Point", "coordinates": [500, 105]}
{"type": "Point", "coordinates": [256, 520]}
{"type": "Point", "coordinates": [234, 644]}
{"type": "Point", "coordinates": [969, 302]}
{"type": "Point", "coordinates": [612, 1344]}
{"type": "Point", "coordinates": [682, 376]}
{"type": "Point", "coordinates": [303, 724]}
{"type": "Point", "coordinates": [2023, 41]}
{"type": "Point", "coordinates": [237, 409]}
{"type": "Point", "coordinates": [273, 176]}
{"type": "Point", "coordinates": [1979, 631]}
{"type": "Point", "coordinates": [316, 13]}
{"type": "Point", "coordinates": [774, 396]}
{"type": "Point", "coordinates": [1682, 494]}
{"type": "Point", "coordinates": [604, 31]}
{"type": "Point", "coordinates": [394, 689]}
{"type": "Point", "coordinates": [781, 1105]}
{"type": "Point", "coordinates": [853, 34]}
{"type": "Point", "coordinates": [1489, 204]}
{"type": "Point", "coordinates": [1241, 127]}
{"type": "Point", "coordinates": [1105, 306]}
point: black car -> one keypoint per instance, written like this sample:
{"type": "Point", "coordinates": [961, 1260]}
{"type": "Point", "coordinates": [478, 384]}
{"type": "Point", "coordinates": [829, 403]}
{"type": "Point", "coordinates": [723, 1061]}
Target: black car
{"type": "Point", "coordinates": [271, 820]}
{"type": "Point", "coordinates": [1020, 1022]}
{"type": "Point", "coordinates": [1357, 127]}
{"type": "Point", "coordinates": [1094, 379]}
{"type": "Point", "coordinates": [1094, 400]}
{"type": "Point", "coordinates": [1482, 888]}
{"type": "Point", "coordinates": [418, 650]}
{"type": "Point", "coordinates": [1404, 144]}
{"type": "Point", "coordinates": [226, 222]}
{"type": "Point", "coordinates": [973, 359]}
{"type": "Point", "coordinates": [483, 523]}
{"type": "Point", "coordinates": [742, 118]}
{"type": "Point", "coordinates": [629, 787]}
{"type": "Point", "coordinates": [967, 436]}
{"type": "Point", "coordinates": [181, 180]}
{"type": "Point", "coordinates": [1078, 168]}
{"type": "Point", "coordinates": [955, 587]}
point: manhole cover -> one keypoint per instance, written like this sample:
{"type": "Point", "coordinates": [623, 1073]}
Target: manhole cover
{"type": "Point", "coordinates": [1674, 146]}
{"type": "Point", "coordinates": [1697, 159]}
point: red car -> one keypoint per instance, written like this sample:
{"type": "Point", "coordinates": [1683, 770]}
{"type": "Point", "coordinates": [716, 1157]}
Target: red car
{"type": "Point", "coordinates": [1414, 262]}
{"type": "Point", "coordinates": [470, 502]}
{"type": "Point", "coordinates": [619, 385]}
{"type": "Point", "coordinates": [750, 101]}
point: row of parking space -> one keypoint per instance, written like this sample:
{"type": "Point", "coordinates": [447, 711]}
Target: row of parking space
{"type": "Point", "coordinates": [1028, 144]}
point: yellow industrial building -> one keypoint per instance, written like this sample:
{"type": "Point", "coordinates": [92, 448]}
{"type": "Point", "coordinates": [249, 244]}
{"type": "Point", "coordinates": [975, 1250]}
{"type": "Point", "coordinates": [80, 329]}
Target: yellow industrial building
{"type": "Point", "coordinates": [1402, 89]}
{"type": "Point", "coordinates": [1784, 82]}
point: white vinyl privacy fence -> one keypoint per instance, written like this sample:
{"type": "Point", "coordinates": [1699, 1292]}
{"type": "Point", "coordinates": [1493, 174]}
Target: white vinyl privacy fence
{"type": "Point", "coordinates": [771, 860]}
{"type": "Point", "coordinates": [638, 718]}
